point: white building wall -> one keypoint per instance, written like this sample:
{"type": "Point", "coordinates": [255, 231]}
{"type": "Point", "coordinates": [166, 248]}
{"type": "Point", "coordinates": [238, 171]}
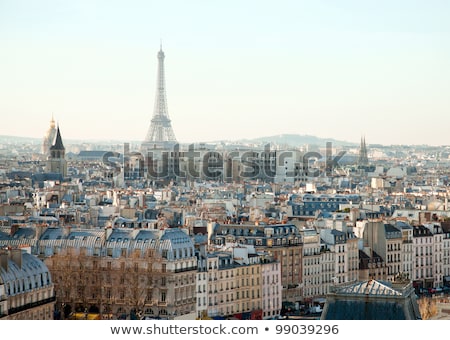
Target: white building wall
{"type": "Point", "coordinates": [201, 289]}
{"type": "Point", "coordinates": [271, 289]}
{"type": "Point", "coordinates": [438, 254]}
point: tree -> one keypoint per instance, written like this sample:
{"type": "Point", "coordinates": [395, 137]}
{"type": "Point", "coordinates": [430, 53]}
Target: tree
{"type": "Point", "coordinates": [427, 307]}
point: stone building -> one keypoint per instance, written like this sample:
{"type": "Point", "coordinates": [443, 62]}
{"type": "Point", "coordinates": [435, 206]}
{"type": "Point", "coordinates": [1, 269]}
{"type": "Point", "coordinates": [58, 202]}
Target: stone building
{"type": "Point", "coordinates": [371, 266]}
{"type": "Point", "coordinates": [239, 283]}
{"type": "Point", "coordinates": [26, 287]}
{"type": "Point", "coordinates": [423, 275]}
{"type": "Point", "coordinates": [130, 273]}
{"type": "Point", "coordinates": [56, 162]}
{"type": "Point", "coordinates": [387, 241]}
{"type": "Point", "coordinates": [116, 272]}
{"type": "Point", "coordinates": [282, 241]}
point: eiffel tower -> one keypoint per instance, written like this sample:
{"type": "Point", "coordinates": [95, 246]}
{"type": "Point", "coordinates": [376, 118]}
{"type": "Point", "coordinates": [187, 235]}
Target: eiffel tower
{"type": "Point", "coordinates": [160, 133]}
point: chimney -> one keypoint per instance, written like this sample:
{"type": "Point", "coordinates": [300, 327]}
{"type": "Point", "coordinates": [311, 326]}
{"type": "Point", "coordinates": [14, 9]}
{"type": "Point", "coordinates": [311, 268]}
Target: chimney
{"type": "Point", "coordinates": [4, 259]}
{"type": "Point", "coordinates": [66, 230]}
{"type": "Point", "coordinates": [40, 228]}
{"type": "Point", "coordinates": [14, 229]}
{"type": "Point", "coordinates": [16, 256]}
{"type": "Point", "coordinates": [108, 232]}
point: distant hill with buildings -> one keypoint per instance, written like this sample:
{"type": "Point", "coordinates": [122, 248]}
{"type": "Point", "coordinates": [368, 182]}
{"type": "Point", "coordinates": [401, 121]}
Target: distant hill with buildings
{"type": "Point", "coordinates": [296, 140]}
{"type": "Point", "coordinates": [16, 139]}
{"type": "Point", "coordinates": [283, 139]}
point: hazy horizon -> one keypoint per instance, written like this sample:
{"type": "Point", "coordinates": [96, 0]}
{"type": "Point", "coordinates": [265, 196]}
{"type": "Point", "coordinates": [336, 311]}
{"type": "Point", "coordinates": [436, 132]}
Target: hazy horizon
{"type": "Point", "coordinates": [257, 140]}
{"type": "Point", "coordinates": [234, 70]}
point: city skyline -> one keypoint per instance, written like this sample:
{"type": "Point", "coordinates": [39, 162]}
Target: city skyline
{"type": "Point", "coordinates": [233, 71]}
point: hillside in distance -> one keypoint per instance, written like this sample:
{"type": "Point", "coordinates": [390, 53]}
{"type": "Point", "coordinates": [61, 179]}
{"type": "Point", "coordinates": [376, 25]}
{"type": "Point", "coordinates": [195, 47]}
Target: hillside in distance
{"type": "Point", "coordinates": [283, 139]}
{"type": "Point", "coordinates": [296, 140]}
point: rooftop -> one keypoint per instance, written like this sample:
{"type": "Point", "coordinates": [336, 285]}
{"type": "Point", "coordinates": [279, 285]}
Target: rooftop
{"type": "Point", "coordinates": [372, 300]}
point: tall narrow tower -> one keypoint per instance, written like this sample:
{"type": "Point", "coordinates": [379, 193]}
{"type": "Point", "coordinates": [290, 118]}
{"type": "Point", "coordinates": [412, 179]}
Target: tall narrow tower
{"type": "Point", "coordinates": [363, 159]}
{"type": "Point", "coordinates": [160, 133]}
{"type": "Point", "coordinates": [56, 161]}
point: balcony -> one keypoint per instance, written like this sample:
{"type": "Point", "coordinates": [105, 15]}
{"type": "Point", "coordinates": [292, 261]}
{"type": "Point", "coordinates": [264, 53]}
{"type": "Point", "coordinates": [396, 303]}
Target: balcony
{"type": "Point", "coordinates": [181, 270]}
{"type": "Point", "coordinates": [31, 305]}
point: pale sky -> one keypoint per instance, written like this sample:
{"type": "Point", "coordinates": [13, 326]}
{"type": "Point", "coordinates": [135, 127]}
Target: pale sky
{"type": "Point", "coordinates": [234, 69]}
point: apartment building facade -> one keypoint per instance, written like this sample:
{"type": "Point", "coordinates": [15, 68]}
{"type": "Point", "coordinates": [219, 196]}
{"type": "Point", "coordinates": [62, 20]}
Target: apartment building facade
{"type": "Point", "coordinates": [26, 287]}
{"type": "Point", "coordinates": [239, 283]}
{"type": "Point", "coordinates": [282, 241]}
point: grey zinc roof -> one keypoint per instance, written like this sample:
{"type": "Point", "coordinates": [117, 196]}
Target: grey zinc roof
{"type": "Point", "coordinates": [177, 244]}
{"type": "Point", "coordinates": [174, 240]}
{"type": "Point", "coordinates": [171, 240]}
{"type": "Point", "coordinates": [85, 238]}
{"type": "Point", "coordinates": [145, 234]}
{"type": "Point", "coordinates": [92, 153]}
{"type": "Point", "coordinates": [24, 233]}
{"type": "Point", "coordinates": [22, 236]}
{"type": "Point", "coordinates": [52, 234]}
{"type": "Point", "coordinates": [403, 225]}
{"type": "Point", "coordinates": [55, 238]}
{"type": "Point", "coordinates": [4, 236]}
{"type": "Point", "coordinates": [31, 275]}
{"type": "Point", "coordinates": [337, 232]}
{"type": "Point", "coordinates": [199, 239]}
{"type": "Point", "coordinates": [391, 231]}
{"type": "Point", "coordinates": [43, 219]}
{"type": "Point", "coordinates": [120, 234]}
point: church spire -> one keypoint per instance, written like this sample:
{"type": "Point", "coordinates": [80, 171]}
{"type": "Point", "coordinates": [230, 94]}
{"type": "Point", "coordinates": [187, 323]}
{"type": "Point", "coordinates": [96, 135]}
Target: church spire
{"type": "Point", "coordinates": [56, 161]}
{"type": "Point", "coordinates": [363, 158]}
{"type": "Point", "coordinates": [58, 144]}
